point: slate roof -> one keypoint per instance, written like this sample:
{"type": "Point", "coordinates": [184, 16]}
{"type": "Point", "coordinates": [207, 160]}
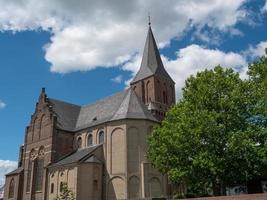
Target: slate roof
{"type": "Point", "coordinates": [66, 113]}
{"type": "Point", "coordinates": [151, 62]}
{"type": "Point", "coordinates": [16, 171]}
{"type": "Point", "coordinates": [123, 105]}
{"type": "Point", "coordinates": [81, 155]}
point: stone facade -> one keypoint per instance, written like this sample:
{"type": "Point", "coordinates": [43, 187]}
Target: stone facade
{"type": "Point", "coordinates": [99, 150]}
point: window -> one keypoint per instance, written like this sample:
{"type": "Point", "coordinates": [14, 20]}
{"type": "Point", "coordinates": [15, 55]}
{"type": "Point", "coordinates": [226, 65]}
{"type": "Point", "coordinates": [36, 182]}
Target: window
{"type": "Point", "coordinates": [148, 91]}
{"type": "Point", "coordinates": [79, 142]}
{"type": "Point", "coordinates": [52, 188]}
{"type": "Point", "coordinates": [101, 137]}
{"type": "Point", "coordinates": [90, 140]}
{"type": "Point", "coordinates": [165, 97]}
{"type": "Point", "coordinates": [39, 169]}
{"type": "Point", "coordinates": [29, 172]}
{"type": "Point", "coordinates": [11, 189]}
{"type": "Point", "coordinates": [61, 187]}
{"type": "Point", "coordinates": [29, 176]}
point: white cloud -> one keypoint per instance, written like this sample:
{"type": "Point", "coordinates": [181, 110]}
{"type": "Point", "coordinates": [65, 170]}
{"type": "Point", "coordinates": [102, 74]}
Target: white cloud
{"type": "Point", "coordinates": [6, 166]}
{"type": "Point", "coordinates": [256, 51]}
{"type": "Point", "coordinates": [264, 9]}
{"type": "Point", "coordinates": [87, 34]}
{"type": "Point", "coordinates": [2, 104]}
{"type": "Point", "coordinates": [192, 59]}
{"type": "Point", "coordinates": [195, 58]}
{"type": "Point", "coordinates": [117, 79]}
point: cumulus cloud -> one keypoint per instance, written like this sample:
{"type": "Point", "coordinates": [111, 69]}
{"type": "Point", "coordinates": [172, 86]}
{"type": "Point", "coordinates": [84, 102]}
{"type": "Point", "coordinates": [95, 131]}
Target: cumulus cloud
{"type": "Point", "coordinates": [256, 51]}
{"type": "Point", "coordinates": [264, 9]}
{"type": "Point", "coordinates": [192, 59]}
{"type": "Point", "coordinates": [6, 166]}
{"type": "Point", "coordinates": [117, 79]}
{"type": "Point", "coordinates": [87, 34]}
{"type": "Point", "coordinates": [2, 104]}
{"type": "Point", "coordinates": [195, 58]}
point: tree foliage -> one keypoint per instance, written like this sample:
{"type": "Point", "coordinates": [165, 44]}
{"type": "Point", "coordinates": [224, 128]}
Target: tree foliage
{"type": "Point", "coordinates": [216, 134]}
{"type": "Point", "coordinates": [66, 193]}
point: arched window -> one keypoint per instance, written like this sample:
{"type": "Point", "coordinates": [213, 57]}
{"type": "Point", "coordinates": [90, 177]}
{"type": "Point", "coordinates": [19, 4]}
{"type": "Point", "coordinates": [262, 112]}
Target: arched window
{"type": "Point", "coordinates": [41, 129]}
{"type": "Point", "coordinates": [148, 91]}
{"type": "Point", "coordinates": [90, 140]}
{"type": "Point", "coordinates": [29, 172]}
{"type": "Point", "coordinates": [11, 190]}
{"type": "Point", "coordinates": [52, 188]}
{"type": "Point", "coordinates": [61, 187]}
{"type": "Point", "coordinates": [39, 170]}
{"type": "Point", "coordinates": [29, 176]}
{"type": "Point", "coordinates": [101, 137]}
{"type": "Point", "coordinates": [79, 142]}
{"type": "Point", "coordinates": [164, 97]}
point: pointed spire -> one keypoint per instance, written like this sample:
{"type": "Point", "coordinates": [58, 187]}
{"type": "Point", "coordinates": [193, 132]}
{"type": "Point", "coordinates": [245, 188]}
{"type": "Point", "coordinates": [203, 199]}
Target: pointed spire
{"type": "Point", "coordinates": [151, 62]}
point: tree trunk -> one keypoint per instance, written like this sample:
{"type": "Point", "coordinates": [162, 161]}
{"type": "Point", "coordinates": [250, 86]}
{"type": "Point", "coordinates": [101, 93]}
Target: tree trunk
{"type": "Point", "coordinates": [218, 188]}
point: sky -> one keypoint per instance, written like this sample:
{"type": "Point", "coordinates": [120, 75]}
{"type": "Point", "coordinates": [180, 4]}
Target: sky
{"type": "Point", "coordinates": [84, 50]}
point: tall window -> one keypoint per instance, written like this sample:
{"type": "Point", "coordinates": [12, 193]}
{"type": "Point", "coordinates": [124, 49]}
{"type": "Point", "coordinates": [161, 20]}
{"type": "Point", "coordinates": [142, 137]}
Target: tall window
{"type": "Point", "coordinates": [90, 140]}
{"type": "Point", "coordinates": [29, 174]}
{"type": "Point", "coordinates": [39, 170]}
{"type": "Point", "coordinates": [101, 137]}
{"type": "Point", "coordinates": [39, 174]}
{"type": "Point", "coordinates": [11, 189]}
{"type": "Point", "coordinates": [165, 97]}
{"type": "Point", "coordinates": [52, 188]}
{"type": "Point", "coordinates": [148, 97]}
{"type": "Point", "coordinates": [61, 187]}
{"type": "Point", "coordinates": [79, 142]}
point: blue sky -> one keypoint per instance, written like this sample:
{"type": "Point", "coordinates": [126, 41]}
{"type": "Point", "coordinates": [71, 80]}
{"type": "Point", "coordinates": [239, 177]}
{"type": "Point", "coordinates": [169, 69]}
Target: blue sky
{"type": "Point", "coordinates": [88, 50]}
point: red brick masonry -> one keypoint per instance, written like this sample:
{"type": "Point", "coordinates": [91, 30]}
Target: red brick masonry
{"type": "Point", "coordinates": [260, 196]}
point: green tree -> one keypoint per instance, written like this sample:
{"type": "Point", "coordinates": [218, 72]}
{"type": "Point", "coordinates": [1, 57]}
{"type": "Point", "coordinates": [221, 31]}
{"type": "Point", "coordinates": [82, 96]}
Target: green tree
{"type": "Point", "coordinates": [209, 139]}
{"type": "Point", "coordinates": [258, 83]}
{"type": "Point", "coordinates": [66, 193]}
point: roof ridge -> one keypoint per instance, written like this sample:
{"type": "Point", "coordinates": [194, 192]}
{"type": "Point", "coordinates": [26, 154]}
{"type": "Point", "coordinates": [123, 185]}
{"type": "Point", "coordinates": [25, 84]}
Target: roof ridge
{"type": "Point", "coordinates": [129, 103]}
{"type": "Point", "coordinates": [120, 107]}
{"type": "Point", "coordinates": [61, 101]}
{"type": "Point", "coordinates": [104, 98]}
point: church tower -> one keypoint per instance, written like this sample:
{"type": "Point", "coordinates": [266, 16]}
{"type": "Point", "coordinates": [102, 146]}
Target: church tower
{"type": "Point", "coordinates": [152, 83]}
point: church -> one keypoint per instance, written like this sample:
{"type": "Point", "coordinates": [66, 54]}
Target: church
{"type": "Point", "coordinates": [98, 150]}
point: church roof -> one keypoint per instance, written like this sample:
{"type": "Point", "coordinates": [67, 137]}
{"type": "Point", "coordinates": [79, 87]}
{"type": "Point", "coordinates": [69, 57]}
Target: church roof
{"type": "Point", "coordinates": [66, 113]}
{"type": "Point", "coordinates": [81, 155]}
{"type": "Point", "coordinates": [151, 62]}
{"type": "Point", "coordinates": [16, 171]}
{"type": "Point", "coordinates": [123, 105]}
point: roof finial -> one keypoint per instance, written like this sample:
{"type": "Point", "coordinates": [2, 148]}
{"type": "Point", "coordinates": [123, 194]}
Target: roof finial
{"type": "Point", "coordinates": [149, 22]}
{"type": "Point", "coordinates": [43, 90]}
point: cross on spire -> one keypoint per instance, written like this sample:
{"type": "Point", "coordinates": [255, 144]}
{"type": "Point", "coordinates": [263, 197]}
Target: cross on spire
{"type": "Point", "coordinates": [151, 62]}
{"type": "Point", "coordinates": [149, 21]}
